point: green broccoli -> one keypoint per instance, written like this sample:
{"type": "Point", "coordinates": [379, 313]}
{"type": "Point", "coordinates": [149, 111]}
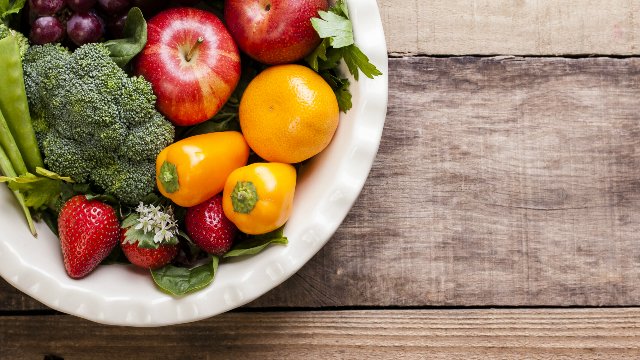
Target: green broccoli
{"type": "Point", "coordinates": [23, 42]}
{"type": "Point", "coordinates": [94, 123]}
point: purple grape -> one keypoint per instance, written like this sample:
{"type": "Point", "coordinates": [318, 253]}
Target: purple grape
{"type": "Point", "coordinates": [45, 7]}
{"type": "Point", "coordinates": [115, 26]}
{"type": "Point", "coordinates": [114, 7]}
{"type": "Point", "coordinates": [46, 30]}
{"type": "Point", "coordinates": [85, 28]}
{"type": "Point", "coordinates": [81, 5]}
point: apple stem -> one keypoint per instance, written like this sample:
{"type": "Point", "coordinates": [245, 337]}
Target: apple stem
{"type": "Point", "coordinates": [194, 48]}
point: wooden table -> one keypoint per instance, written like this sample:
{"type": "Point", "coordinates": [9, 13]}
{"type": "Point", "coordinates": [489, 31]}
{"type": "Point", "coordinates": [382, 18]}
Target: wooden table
{"type": "Point", "coordinates": [501, 218]}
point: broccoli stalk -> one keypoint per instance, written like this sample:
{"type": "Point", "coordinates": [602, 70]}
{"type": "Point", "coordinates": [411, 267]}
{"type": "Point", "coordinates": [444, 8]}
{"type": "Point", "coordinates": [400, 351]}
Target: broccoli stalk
{"type": "Point", "coordinates": [93, 122]}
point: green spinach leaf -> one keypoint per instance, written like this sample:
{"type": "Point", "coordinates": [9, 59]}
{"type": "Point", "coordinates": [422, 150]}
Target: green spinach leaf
{"type": "Point", "coordinates": [255, 244]}
{"type": "Point", "coordinates": [135, 38]}
{"type": "Point", "coordinates": [179, 281]}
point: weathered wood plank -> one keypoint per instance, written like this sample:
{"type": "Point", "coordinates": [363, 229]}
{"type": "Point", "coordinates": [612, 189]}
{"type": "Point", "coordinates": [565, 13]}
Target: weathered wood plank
{"type": "Point", "coordinates": [498, 182]}
{"type": "Point", "coordinates": [460, 334]}
{"type": "Point", "coordinates": [540, 27]}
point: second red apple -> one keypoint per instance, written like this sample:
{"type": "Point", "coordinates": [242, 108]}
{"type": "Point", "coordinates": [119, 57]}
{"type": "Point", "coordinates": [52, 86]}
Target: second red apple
{"type": "Point", "coordinates": [192, 63]}
{"type": "Point", "coordinates": [274, 31]}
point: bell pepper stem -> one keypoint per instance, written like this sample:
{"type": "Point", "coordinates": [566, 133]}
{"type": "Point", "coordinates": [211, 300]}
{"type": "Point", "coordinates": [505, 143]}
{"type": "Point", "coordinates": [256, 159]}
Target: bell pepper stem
{"type": "Point", "coordinates": [244, 197]}
{"type": "Point", "coordinates": [169, 177]}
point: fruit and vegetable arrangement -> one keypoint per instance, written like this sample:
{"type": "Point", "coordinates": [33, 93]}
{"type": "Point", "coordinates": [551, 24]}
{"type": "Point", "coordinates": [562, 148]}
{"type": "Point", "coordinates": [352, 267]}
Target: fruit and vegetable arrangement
{"type": "Point", "coordinates": [168, 134]}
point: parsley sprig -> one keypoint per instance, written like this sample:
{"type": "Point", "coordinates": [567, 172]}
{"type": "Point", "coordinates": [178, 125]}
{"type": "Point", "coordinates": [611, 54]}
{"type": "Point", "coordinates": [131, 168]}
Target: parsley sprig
{"type": "Point", "coordinates": [336, 30]}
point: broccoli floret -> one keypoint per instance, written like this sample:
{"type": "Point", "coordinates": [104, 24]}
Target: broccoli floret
{"type": "Point", "coordinates": [23, 42]}
{"type": "Point", "coordinates": [93, 122]}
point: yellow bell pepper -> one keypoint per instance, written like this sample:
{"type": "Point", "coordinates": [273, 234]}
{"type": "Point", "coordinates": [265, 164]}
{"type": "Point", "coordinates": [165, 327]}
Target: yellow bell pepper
{"type": "Point", "coordinates": [195, 169]}
{"type": "Point", "coordinates": [258, 198]}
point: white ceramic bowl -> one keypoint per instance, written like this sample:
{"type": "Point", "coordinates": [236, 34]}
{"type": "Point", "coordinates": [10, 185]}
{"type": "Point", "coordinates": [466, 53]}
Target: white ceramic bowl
{"type": "Point", "coordinates": [327, 188]}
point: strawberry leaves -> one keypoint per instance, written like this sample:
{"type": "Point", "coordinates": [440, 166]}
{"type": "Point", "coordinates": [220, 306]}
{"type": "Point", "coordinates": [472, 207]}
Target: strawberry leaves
{"type": "Point", "coordinates": [336, 30]}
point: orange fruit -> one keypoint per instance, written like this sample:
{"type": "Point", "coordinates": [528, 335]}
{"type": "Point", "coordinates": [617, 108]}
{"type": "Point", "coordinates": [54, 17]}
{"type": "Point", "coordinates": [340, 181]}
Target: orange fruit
{"type": "Point", "coordinates": [288, 113]}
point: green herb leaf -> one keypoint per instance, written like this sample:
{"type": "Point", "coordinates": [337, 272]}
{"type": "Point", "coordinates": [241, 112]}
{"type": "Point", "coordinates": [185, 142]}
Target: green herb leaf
{"type": "Point", "coordinates": [357, 60]}
{"type": "Point", "coordinates": [320, 53]}
{"type": "Point", "coordinates": [338, 29]}
{"type": "Point", "coordinates": [135, 38]}
{"type": "Point", "coordinates": [333, 60]}
{"type": "Point", "coordinates": [39, 191]}
{"type": "Point", "coordinates": [340, 88]}
{"type": "Point", "coordinates": [255, 244]}
{"type": "Point", "coordinates": [340, 8]}
{"type": "Point", "coordinates": [178, 281]}
{"type": "Point", "coordinates": [53, 176]}
{"type": "Point", "coordinates": [8, 7]}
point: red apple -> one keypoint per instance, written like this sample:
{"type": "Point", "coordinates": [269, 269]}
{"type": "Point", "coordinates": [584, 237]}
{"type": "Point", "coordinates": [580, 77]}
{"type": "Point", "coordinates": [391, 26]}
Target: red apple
{"type": "Point", "coordinates": [191, 62]}
{"type": "Point", "coordinates": [274, 31]}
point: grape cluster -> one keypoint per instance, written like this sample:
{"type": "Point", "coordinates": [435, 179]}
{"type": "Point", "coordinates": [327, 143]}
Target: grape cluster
{"type": "Point", "coordinates": [82, 21]}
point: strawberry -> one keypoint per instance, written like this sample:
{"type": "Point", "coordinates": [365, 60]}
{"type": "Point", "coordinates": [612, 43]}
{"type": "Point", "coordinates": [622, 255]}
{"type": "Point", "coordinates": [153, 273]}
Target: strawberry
{"type": "Point", "coordinates": [149, 237]}
{"type": "Point", "coordinates": [209, 228]}
{"type": "Point", "coordinates": [148, 258]}
{"type": "Point", "coordinates": [89, 230]}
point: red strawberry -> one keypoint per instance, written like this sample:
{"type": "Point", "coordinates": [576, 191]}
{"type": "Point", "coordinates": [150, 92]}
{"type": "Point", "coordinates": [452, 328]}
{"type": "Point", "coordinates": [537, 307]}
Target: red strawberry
{"type": "Point", "coordinates": [89, 230]}
{"type": "Point", "coordinates": [148, 258]}
{"type": "Point", "coordinates": [209, 228]}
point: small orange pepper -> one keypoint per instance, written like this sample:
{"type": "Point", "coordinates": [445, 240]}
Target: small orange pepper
{"type": "Point", "coordinates": [258, 198]}
{"type": "Point", "coordinates": [195, 169]}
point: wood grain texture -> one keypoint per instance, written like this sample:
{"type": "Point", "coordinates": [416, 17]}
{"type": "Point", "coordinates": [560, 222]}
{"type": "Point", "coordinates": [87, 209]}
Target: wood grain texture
{"type": "Point", "coordinates": [499, 181]}
{"type": "Point", "coordinates": [511, 27]}
{"type": "Point", "coordinates": [408, 334]}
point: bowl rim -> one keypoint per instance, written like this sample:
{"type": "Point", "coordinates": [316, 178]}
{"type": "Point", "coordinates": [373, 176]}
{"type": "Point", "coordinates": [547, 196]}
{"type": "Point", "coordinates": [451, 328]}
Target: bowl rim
{"type": "Point", "coordinates": [84, 299]}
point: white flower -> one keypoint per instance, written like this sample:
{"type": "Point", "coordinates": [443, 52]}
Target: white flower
{"type": "Point", "coordinates": [142, 210]}
{"type": "Point", "coordinates": [146, 224]}
{"type": "Point", "coordinates": [157, 220]}
{"type": "Point", "coordinates": [162, 235]}
{"type": "Point", "coordinates": [164, 218]}
{"type": "Point", "coordinates": [154, 211]}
